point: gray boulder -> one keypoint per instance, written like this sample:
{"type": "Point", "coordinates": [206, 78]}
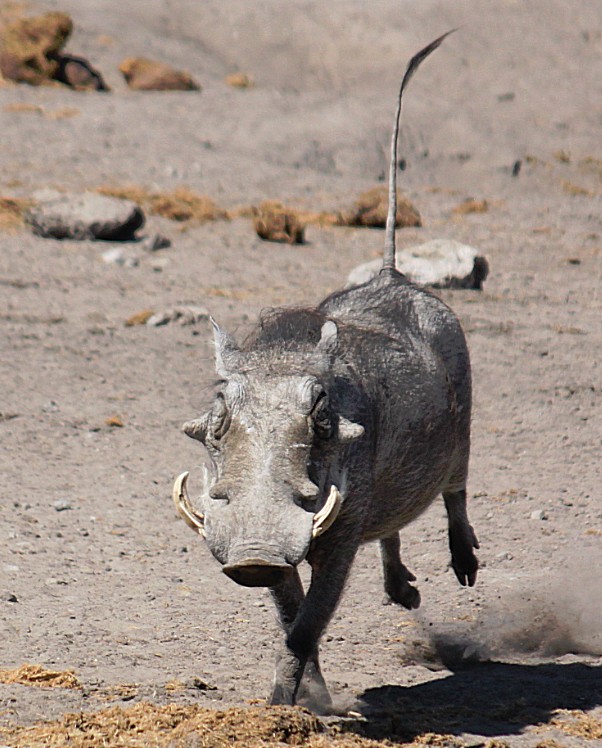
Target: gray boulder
{"type": "Point", "coordinates": [440, 263]}
{"type": "Point", "coordinates": [87, 215]}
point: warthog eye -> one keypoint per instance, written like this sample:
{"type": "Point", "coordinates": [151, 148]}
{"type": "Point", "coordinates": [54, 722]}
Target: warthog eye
{"type": "Point", "coordinates": [220, 418]}
{"type": "Point", "coordinates": [321, 417]}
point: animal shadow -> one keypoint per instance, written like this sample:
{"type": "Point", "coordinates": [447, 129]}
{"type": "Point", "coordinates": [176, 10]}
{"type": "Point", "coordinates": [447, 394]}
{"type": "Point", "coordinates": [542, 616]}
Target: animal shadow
{"type": "Point", "coordinates": [488, 698]}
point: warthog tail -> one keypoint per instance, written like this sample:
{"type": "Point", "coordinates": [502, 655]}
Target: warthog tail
{"type": "Point", "coordinates": [389, 252]}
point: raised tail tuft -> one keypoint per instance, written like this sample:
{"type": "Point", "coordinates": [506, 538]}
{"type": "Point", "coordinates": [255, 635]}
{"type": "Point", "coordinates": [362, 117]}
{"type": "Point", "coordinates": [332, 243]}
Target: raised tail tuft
{"type": "Point", "coordinates": [389, 253]}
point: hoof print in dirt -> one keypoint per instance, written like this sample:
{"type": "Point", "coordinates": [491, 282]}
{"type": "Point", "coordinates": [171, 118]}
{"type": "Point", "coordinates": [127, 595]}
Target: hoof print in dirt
{"type": "Point", "coordinates": [31, 52]}
{"type": "Point", "coordinates": [142, 74]}
{"type": "Point", "coordinates": [275, 223]}
{"type": "Point", "coordinates": [441, 263]}
{"type": "Point", "coordinates": [85, 216]}
{"type": "Point", "coordinates": [371, 207]}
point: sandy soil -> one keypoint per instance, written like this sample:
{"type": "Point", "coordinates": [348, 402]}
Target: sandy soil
{"type": "Point", "coordinates": [108, 581]}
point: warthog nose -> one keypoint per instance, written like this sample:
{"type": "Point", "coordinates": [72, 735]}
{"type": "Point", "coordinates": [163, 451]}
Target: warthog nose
{"type": "Point", "coordinates": [258, 572]}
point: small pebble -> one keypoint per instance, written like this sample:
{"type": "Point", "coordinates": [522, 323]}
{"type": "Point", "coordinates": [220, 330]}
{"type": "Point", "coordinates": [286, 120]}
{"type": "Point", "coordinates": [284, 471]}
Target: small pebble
{"type": "Point", "coordinates": [117, 256]}
{"type": "Point", "coordinates": [62, 506]}
{"type": "Point", "coordinates": [538, 514]}
{"type": "Point", "coordinates": [155, 242]}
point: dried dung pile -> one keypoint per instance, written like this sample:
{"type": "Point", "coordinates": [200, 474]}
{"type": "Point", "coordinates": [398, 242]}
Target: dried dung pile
{"type": "Point", "coordinates": [180, 205]}
{"type": "Point", "coordinates": [36, 675]}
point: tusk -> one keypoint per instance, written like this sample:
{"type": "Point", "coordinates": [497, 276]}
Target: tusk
{"type": "Point", "coordinates": [185, 509]}
{"type": "Point", "coordinates": [328, 513]}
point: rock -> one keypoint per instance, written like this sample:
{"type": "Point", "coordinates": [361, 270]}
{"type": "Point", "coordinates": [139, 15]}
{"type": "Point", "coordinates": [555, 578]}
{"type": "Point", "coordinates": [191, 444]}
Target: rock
{"type": "Point", "coordinates": [538, 514]}
{"type": "Point", "coordinates": [8, 597]}
{"type": "Point", "coordinates": [155, 242]}
{"type": "Point", "coordinates": [84, 216]}
{"type": "Point", "coordinates": [143, 74]}
{"type": "Point", "coordinates": [441, 263]}
{"type": "Point", "coordinates": [371, 210]}
{"type": "Point", "coordinates": [275, 223]}
{"type": "Point", "coordinates": [29, 47]}
{"type": "Point", "coordinates": [182, 315]}
{"type": "Point", "coordinates": [117, 256]}
{"type": "Point", "coordinates": [77, 73]}
{"type": "Point", "coordinates": [62, 506]}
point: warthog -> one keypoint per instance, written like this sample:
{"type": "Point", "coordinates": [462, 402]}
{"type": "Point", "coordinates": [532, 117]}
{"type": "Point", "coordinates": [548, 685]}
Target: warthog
{"type": "Point", "coordinates": [331, 427]}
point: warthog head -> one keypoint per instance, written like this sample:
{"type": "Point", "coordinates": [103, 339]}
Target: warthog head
{"type": "Point", "coordinates": [273, 437]}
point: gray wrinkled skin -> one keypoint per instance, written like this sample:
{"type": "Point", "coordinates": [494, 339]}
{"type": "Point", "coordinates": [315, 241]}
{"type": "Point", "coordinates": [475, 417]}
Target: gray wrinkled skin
{"type": "Point", "coordinates": [283, 430]}
{"type": "Point", "coordinates": [368, 393]}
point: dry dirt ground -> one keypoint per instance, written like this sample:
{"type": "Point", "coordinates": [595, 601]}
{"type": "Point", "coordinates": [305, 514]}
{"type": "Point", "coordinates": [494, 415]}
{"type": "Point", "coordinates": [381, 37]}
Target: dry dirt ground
{"type": "Point", "coordinates": [107, 581]}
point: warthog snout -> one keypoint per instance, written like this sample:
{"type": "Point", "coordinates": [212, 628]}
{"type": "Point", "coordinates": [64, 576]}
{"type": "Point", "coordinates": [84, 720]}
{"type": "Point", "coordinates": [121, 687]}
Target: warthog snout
{"type": "Point", "coordinates": [258, 568]}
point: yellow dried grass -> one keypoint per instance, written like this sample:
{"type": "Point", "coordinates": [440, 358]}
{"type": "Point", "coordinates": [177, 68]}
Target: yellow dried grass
{"type": "Point", "coordinates": [178, 726]}
{"type": "Point", "coordinates": [12, 211]}
{"type": "Point", "coordinates": [36, 675]}
{"type": "Point", "coordinates": [182, 204]}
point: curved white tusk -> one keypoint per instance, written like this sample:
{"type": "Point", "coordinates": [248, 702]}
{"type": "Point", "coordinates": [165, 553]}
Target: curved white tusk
{"type": "Point", "coordinates": [328, 513]}
{"type": "Point", "coordinates": [185, 509]}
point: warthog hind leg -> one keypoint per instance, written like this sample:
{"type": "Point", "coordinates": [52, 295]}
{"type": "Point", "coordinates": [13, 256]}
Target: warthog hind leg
{"type": "Point", "coordinates": [462, 538]}
{"type": "Point", "coordinates": [397, 576]}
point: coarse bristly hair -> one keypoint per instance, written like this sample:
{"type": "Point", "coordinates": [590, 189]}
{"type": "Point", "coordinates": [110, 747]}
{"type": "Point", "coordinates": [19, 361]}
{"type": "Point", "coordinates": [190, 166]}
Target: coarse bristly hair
{"type": "Point", "coordinates": [286, 329]}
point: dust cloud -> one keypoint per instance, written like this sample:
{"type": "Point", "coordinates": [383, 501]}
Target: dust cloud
{"type": "Point", "coordinates": [560, 617]}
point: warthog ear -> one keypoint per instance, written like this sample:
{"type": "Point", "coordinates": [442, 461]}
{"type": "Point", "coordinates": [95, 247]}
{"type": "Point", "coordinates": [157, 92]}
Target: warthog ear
{"type": "Point", "coordinates": [349, 431]}
{"type": "Point", "coordinates": [327, 346]}
{"type": "Point", "coordinates": [225, 351]}
{"type": "Point", "coordinates": [328, 337]}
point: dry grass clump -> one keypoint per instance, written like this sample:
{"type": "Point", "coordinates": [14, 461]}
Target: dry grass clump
{"type": "Point", "coordinates": [145, 725]}
{"type": "Point", "coordinates": [180, 205]}
{"type": "Point", "coordinates": [275, 223]}
{"type": "Point", "coordinates": [471, 206]}
{"type": "Point", "coordinates": [139, 318]}
{"type": "Point", "coordinates": [142, 74]}
{"type": "Point", "coordinates": [36, 675]}
{"type": "Point", "coordinates": [177, 726]}
{"type": "Point", "coordinates": [21, 107]}
{"type": "Point", "coordinates": [240, 80]}
{"type": "Point", "coordinates": [371, 210]}
{"type": "Point", "coordinates": [29, 47]}
{"type": "Point", "coordinates": [12, 211]}
{"type": "Point", "coordinates": [578, 723]}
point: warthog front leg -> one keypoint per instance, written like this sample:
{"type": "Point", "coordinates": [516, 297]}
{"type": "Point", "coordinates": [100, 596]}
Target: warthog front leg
{"type": "Point", "coordinates": [462, 538]}
{"type": "Point", "coordinates": [397, 576]}
{"type": "Point", "coordinates": [288, 598]}
{"type": "Point", "coordinates": [330, 567]}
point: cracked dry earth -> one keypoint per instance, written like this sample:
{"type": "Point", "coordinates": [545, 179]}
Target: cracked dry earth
{"type": "Point", "coordinates": [98, 576]}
